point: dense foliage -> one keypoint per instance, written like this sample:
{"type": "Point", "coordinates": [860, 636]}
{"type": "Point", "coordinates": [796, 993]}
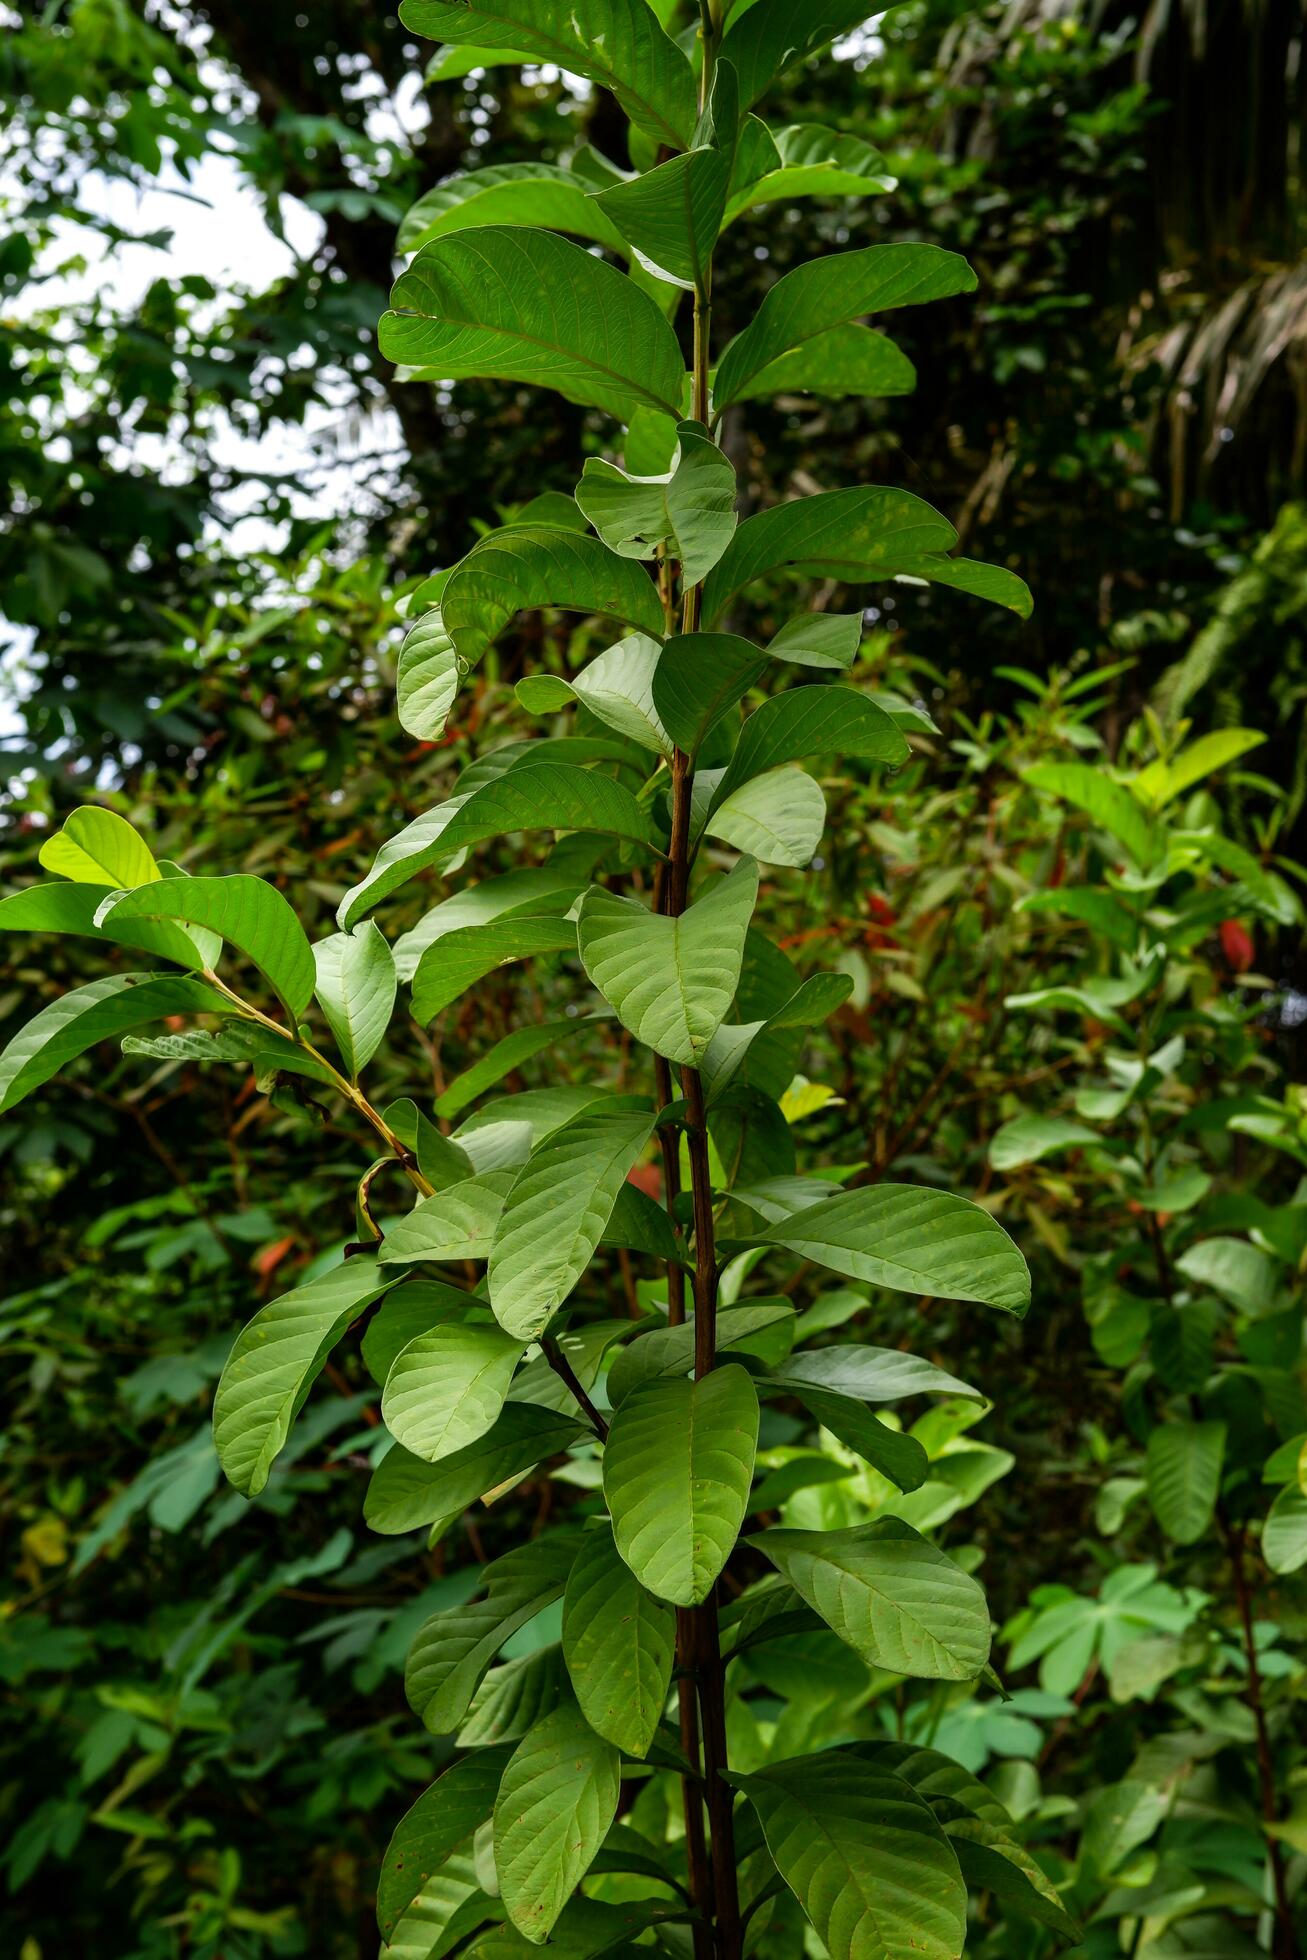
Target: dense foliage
{"type": "Point", "coordinates": [1043, 964]}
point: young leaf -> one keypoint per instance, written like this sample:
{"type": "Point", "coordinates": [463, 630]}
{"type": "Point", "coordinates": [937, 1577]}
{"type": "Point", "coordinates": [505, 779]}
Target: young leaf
{"type": "Point", "coordinates": [689, 511]}
{"type": "Point", "coordinates": [617, 43]}
{"type": "Point", "coordinates": [555, 1215]}
{"type": "Point", "coordinates": [98, 847]}
{"type": "Point", "coordinates": [619, 1643]}
{"type": "Point", "coordinates": [427, 1871]}
{"type": "Point", "coordinates": [356, 990]}
{"type": "Point", "coordinates": [454, 1647]}
{"type": "Point", "coordinates": [670, 981]}
{"type": "Point", "coordinates": [447, 1388]}
{"type": "Point", "coordinates": [276, 1360]}
{"type": "Point", "coordinates": [546, 796]}
{"type": "Point", "coordinates": [542, 566]}
{"type": "Point", "coordinates": [426, 680]}
{"type": "Point", "coordinates": [827, 293]}
{"type": "Point", "coordinates": [250, 915]}
{"type": "Point", "coordinates": [458, 960]}
{"type": "Point", "coordinates": [677, 1468]}
{"type": "Point", "coordinates": [556, 1802]}
{"type": "Point", "coordinates": [1184, 1476]}
{"type": "Point", "coordinates": [406, 1493]}
{"type": "Point", "coordinates": [519, 305]}
{"type": "Point", "coordinates": [616, 687]}
{"type": "Point", "coordinates": [1111, 805]}
{"type": "Point", "coordinates": [864, 1855]}
{"type": "Point", "coordinates": [79, 1019]}
{"type": "Point", "coordinates": [699, 678]}
{"type": "Point", "coordinates": [895, 1598]}
{"type": "Point", "coordinates": [737, 1053]}
{"type": "Point", "coordinates": [914, 1240]}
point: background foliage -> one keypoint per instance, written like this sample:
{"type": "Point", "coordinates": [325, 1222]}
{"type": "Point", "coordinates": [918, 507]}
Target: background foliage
{"type": "Point", "coordinates": [223, 1741]}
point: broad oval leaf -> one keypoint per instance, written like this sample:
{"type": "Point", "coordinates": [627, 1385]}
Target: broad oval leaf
{"type": "Point", "coordinates": [855, 535]}
{"type": "Point", "coordinates": [617, 688]}
{"type": "Point", "coordinates": [78, 1020]}
{"type": "Point", "coordinates": [914, 1240]}
{"type": "Point", "coordinates": [544, 796]}
{"type": "Point", "coordinates": [1029, 1139]}
{"type": "Point", "coordinates": [447, 1388]}
{"type": "Point", "coordinates": [77, 909]}
{"type": "Point", "coordinates": [405, 1492]}
{"type": "Point", "coordinates": [98, 847]}
{"type": "Point", "coordinates": [556, 1213]}
{"type": "Point", "coordinates": [872, 1374]}
{"type": "Point", "coordinates": [535, 193]}
{"type": "Point", "coordinates": [542, 566]}
{"type": "Point", "coordinates": [556, 1802]}
{"type": "Point", "coordinates": [426, 682]}
{"type": "Point", "coordinates": [847, 360]}
{"type": "Point", "coordinates": [670, 981]}
{"type": "Point", "coordinates": [276, 1360]}
{"type": "Point", "coordinates": [895, 1598]}
{"type": "Point", "coordinates": [520, 305]}
{"type": "Point", "coordinates": [249, 914]}
{"type": "Point", "coordinates": [356, 988]}
{"type": "Point", "coordinates": [617, 43]}
{"type": "Point", "coordinates": [677, 1468]}
{"type": "Point", "coordinates": [764, 39]}
{"type": "Point", "coordinates": [417, 1881]}
{"type": "Point", "coordinates": [456, 1225]}
{"type": "Point", "coordinates": [665, 1351]}
{"type": "Point", "coordinates": [699, 678]}
{"type": "Point", "coordinates": [1284, 1541]}
{"type": "Point", "coordinates": [1111, 805]}
{"type": "Point", "coordinates": [689, 510]}
{"type": "Point", "coordinates": [619, 1643]}
{"type": "Point", "coordinates": [828, 293]}
{"type": "Point", "coordinates": [778, 818]}
{"type": "Point", "coordinates": [1184, 1476]}
{"type": "Point", "coordinates": [864, 1855]}
{"type": "Point", "coordinates": [810, 721]}
{"type": "Point", "coordinates": [458, 960]}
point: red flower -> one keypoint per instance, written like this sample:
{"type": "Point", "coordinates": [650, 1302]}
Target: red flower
{"type": "Point", "coordinates": [1237, 949]}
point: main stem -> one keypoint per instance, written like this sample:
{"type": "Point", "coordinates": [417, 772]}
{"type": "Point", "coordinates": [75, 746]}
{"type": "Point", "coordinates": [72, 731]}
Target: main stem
{"type": "Point", "coordinates": [714, 1884]}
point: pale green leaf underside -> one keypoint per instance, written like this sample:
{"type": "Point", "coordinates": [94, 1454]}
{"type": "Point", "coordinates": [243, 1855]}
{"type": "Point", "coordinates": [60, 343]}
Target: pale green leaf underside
{"type": "Point", "coordinates": [406, 1493]}
{"type": "Point", "coordinates": [534, 193]}
{"type": "Point", "coordinates": [619, 1643]}
{"type": "Point", "coordinates": [556, 1802]}
{"type": "Point", "coordinates": [447, 1387]}
{"type": "Point", "coordinates": [356, 988]}
{"type": "Point", "coordinates": [101, 1011]}
{"type": "Point", "coordinates": [677, 1468]}
{"type": "Point", "coordinates": [1184, 1476]}
{"type": "Point", "coordinates": [458, 960]}
{"type": "Point", "coordinates": [690, 510]}
{"type": "Point", "coordinates": [251, 916]}
{"type": "Point", "coordinates": [541, 565]}
{"type": "Point", "coordinates": [439, 1826]}
{"type": "Point", "coordinates": [670, 981]}
{"type": "Point", "coordinates": [777, 818]}
{"type": "Point", "coordinates": [456, 1225]}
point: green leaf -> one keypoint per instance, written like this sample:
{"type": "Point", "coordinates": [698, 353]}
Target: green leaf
{"type": "Point", "coordinates": [515, 305]}
{"type": "Point", "coordinates": [427, 1871]}
{"type": "Point", "coordinates": [406, 1493]}
{"type": "Point", "coordinates": [737, 1053]}
{"type": "Point", "coordinates": [665, 1351]}
{"type": "Point", "coordinates": [1184, 1476]}
{"type": "Point", "coordinates": [677, 1468]}
{"type": "Point", "coordinates": [99, 1012]}
{"type": "Point", "coordinates": [505, 1058]}
{"type": "Point", "coordinates": [250, 915]}
{"type": "Point", "coordinates": [440, 1160]}
{"type": "Point", "coordinates": [544, 796]}
{"type": "Point", "coordinates": [619, 1643]}
{"type": "Point", "coordinates": [855, 535]}
{"type": "Point", "coordinates": [671, 215]}
{"type": "Point", "coordinates": [617, 43]}
{"type": "Point", "coordinates": [914, 1240]}
{"type": "Point", "coordinates": [410, 1309]}
{"type": "Point", "coordinates": [98, 847]}
{"type": "Point", "coordinates": [426, 682]}
{"type": "Point", "coordinates": [75, 909]}
{"type": "Point", "coordinates": [1284, 1541]}
{"type": "Point", "coordinates": [459, 960]}
{"type": "Point", "coordinates": [829, 293]}
{"type": "Point", "coordinates": [456, 1225]}
{"type": "Point", "coordinates": [587, 1929]}
{"type": "Point", "coordinates": [810, 721]}
{"type": "Point", "coordinates": [689, 510]}
{"type": "Point", "coordinates": [447, 1388]}
{"type": "Point", "coordinates": [1161, 782]}
{"type": "Point", "coordinates": [864, 1855]}
{"type": "Point", "coordinates": [769, 36]}
{"type": "Point", "coordinates": [809, 160]}
{"type": "Point", "coordinates": [616, 687]}
{"type": "Point", "coordinates": [1241, 1273]}
{"type": "Point", "coordinates": [546, 891]}
{"type": "Point", "coordinates": [356, 990]}
{"type": "Point", "coordinates": [276, 1360]}
{"type": "Point", "coordinates": [990, 582]}
{"type": "Point", "coordinates": [556, 1802]}
{"type": "Point", "coordinates": [890, 1594]}
{"type": "Point", "coordinates": [871, 1374]}
{"type": "Point", "coordinates": [900, 1458]}
{"type": "Point", "coordinates": [670, 981]}
{"type": "Point", "coordinates": [542, 566]}
{"type": "Point", "coordinates": [847, 360]}
{"type": "Point", "coordinates": [454, 1647]}
{"type": "Point", "coordinates": [556, 1213]}
{"type": "Point", "coordinates": [1029, 1139]}
{"type": "Point", "coordinates": [1112, 806]}
{"type": "Point", "coordinates": [778, 818]}
{"type": "Point", "coordinates": [818, 639]}
{"type": "Point", "coordinates": [699, 678]}
{"type": "Point", "coordinates": [535, 193]}
{"type": "Point", "coordinates": [992, 1860]}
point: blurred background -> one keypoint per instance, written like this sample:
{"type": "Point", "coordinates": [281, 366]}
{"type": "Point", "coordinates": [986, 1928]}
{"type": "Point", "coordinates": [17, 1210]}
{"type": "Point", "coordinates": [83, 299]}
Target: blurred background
{"type": "Point", "coordinates": [216, 498]}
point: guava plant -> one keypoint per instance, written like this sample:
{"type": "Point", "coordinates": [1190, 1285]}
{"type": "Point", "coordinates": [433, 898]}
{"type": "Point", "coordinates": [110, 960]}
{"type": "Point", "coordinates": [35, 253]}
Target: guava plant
{"type": "Point", "coordinates": [673, 776]}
